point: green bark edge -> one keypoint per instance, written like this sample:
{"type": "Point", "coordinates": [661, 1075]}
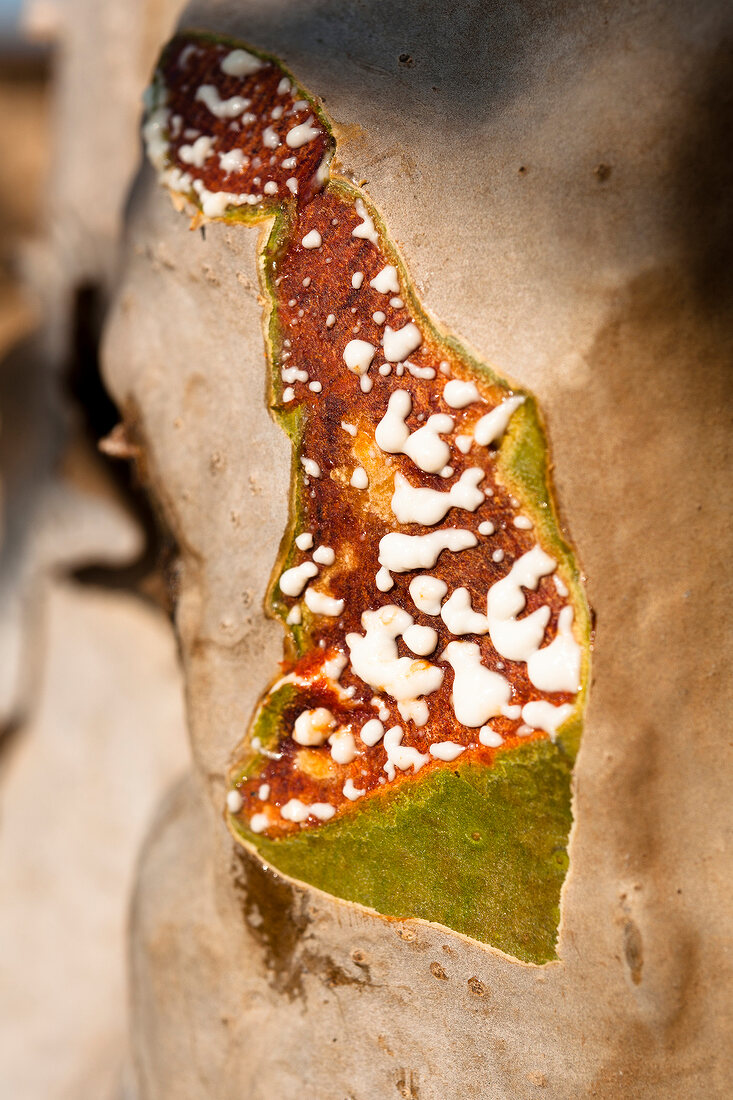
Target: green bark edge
{"type": "Point", "coordinates": [480, 850]}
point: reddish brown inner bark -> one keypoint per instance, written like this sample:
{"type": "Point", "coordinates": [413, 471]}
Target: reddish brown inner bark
{"type": "Point", "coordinates": [336, 514]}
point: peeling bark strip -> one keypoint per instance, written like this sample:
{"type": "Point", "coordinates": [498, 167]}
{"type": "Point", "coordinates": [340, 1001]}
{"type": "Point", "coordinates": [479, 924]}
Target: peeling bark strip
{"type": "Point", "coordinates": [415, 755]}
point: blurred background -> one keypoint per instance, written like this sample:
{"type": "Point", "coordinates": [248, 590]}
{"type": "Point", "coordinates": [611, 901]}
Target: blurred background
{"type": "Point", "coordinates": [91, 711]}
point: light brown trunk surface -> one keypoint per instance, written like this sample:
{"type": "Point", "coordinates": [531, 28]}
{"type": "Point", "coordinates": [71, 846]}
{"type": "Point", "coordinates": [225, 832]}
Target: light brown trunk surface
{"type": "Point", "coordinates": [554, 182]}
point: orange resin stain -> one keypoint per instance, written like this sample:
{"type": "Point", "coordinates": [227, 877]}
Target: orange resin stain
{"type": "Point", "coordinates": [319, 278]}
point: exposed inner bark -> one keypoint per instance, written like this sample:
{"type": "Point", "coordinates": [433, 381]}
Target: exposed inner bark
{"type": "Point", "coordinates": [383, 495]}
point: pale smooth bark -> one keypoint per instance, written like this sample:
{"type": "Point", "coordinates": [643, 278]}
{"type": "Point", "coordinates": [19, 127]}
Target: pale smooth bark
{"type": "Point", "coordinates": [551, 180]}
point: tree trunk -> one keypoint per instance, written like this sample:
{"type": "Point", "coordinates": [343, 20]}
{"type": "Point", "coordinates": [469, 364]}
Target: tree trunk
{"type": "Point", "coordinates": [555, 185]}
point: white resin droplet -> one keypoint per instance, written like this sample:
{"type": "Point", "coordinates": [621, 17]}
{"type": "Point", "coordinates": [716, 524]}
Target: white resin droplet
{"type": "Point", "coordinates": [343, 746]}
{"type": "Point", "coordinates": [399, 756]}
{"type": "Point", "coordinates": [293, 374]}
{"type": "Point", "coordinates": [561, 587]}
{"type": "Point", "coordinates": [295, 810]}
{"type": "Point", "coordinates": [298, 811]}
{"type": "Point", "coordinates": [459, 616]}
{"type": "Point", "coordinates": [414, 710]}
{"type": "Point", "coordinates": [516, 639]}
{"type": "Point", "coordinates": [234, 802]}
{"type": "Point", "coordinates": [422, 640]}
{"type": "Point", "coordinates": [372, 732]}
{"type": "Point", "coordinates": [429, 506]}
{"type": "Point", "coordinates": [334, 666]}
{"type": "Point", "coordinates": [155, 137]}
{"type": "Point", "coordinates": [233, 161]}
{"type": "Point", "coordinates": [351, 792]}
{"type": "Point", "coordinates": [270, 138]}
{"type": "Point", "coordinates": [542, 715]}
{"type": "Point", "coordinates": [392, 433]}
{"type": "Point", "coordinates": [293, 581]}
{"type": "Point", "coordinates": [458, 394]}
{"type": "Point", "coordinates": [183, 59]}
{"type": "Point", "coordinates": [312, 239]}
{"type": "Point", "coordinates": [324, 555]}
{"type": "Point", "coordinates": [311, 467]}
{"type": "Point", "coordinates": [492, 426]}
{"type": "Point", "coordinates": [383, 580]}
{"type": "Point", "coordinates": [446, 750]}
{"type": "Point", "coordinates": [400, 553]}
{"type": "Point", "coordinates": [490, 737]}
{"type": "Point", "coordinates": [387, 281]}
{"type": "Point", "coordinates": [198, 153]}
{"type": "Point", "coordinates": [240, 63]}
{"type": "Point", "coordinates": [374, 656]}
{"type": "Point", "coordinates": [399, 343]}
{"type": "Point", "coordinates": [359, 478]}
{"type": "Point", "coordinates": [313, 727]}
{"type": "Point", "coordinates": [424, 446]}
{"type": "Point", "coordinates": [557, 666]}
{"type": "Point", "coordinates": [427, 592]}
{"type": "Point", "coordinates": [322, 810]}
{"type": "Point", "coordinates": [478, 693]}
{"type": "Point", "coordinates": [366, 229]}
{"type": "Point", "coordinates": [221, 108]}
{"type": "Point", "coordinates": [321, 604]}
{"type": "Point", "coordinates": [302, 134]}
{"type": "Point", "coordinates": [358, 355]}
{"type": "Point", "coordinates": [420, 372]}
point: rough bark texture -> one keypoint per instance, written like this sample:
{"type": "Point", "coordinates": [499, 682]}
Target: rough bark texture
{"type": "Point", "coordinates": [556, 183]}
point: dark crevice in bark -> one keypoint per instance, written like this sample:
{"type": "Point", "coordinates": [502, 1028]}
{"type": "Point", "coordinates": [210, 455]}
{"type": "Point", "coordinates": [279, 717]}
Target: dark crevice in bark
{"type": "Point", "coordinates": [149, 575]}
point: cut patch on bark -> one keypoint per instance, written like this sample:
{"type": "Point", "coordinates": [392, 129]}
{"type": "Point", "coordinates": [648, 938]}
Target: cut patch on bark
{"type": "Point", "coordinates": [415, 754]}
